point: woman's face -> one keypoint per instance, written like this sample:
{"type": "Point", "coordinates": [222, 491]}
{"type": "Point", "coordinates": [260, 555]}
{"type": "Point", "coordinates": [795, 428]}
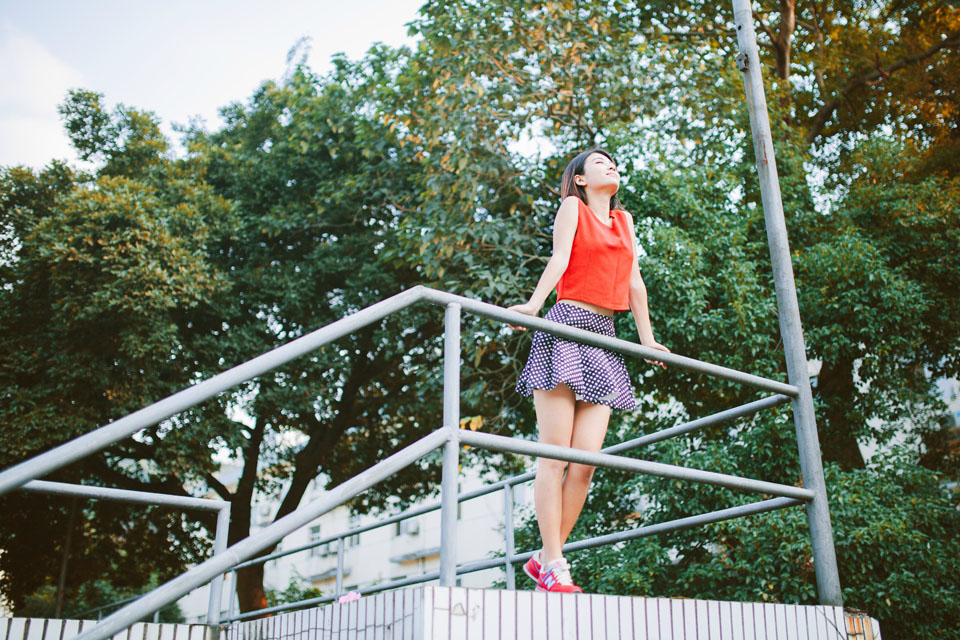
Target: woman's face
{"type": "Point", "coordinates": [599, 173]}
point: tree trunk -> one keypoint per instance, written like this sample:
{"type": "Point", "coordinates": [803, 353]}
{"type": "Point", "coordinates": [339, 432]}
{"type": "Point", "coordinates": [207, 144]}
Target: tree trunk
{"type": "Point", "coordinates": [250, 593]}
{"type": "Point", "coordinates": [323, 437]}
{"type": "Point", "coordinates": [784, 42]}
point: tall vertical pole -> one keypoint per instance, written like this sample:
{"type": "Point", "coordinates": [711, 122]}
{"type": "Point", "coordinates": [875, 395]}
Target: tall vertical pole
{"type": "Point", "coordinates": [233, 595]}
{"type": "Point", "coordinates": [451, 450]}
{"type": "Point", "coordinates": [818, 514]}
{"type": "Point", "coordinates": [508, 536]}
{"type": "Point", "coordinates": [219, 546]}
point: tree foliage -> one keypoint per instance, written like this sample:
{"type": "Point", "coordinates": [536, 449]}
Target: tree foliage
{"type": "Point", "coordinates": [439, 165]}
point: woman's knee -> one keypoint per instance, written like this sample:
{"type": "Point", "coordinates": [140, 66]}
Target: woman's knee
{"type": "Point", "coordinates": [580, 473]}
{"type": "Point", "coordinates": [547, 467]}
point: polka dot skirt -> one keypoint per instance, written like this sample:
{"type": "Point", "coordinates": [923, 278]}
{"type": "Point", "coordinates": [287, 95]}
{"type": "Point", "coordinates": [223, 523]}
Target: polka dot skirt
{"type": "Point", "coordinates": [595, 375]}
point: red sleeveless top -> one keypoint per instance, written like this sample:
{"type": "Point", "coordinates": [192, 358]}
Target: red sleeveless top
{"type": "Point", "coordinates": [601, 260]}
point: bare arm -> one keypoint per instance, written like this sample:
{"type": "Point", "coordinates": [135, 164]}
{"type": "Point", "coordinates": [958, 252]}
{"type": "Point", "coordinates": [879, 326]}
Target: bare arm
{"type": "Point", "coordinates": [564, 229]}
{"type": "Point", "coordinates": [638, 301]}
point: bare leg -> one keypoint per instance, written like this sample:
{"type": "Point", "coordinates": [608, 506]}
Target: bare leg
{"type": "Point", "coordinates": [555, 414]}
{"type": "Point", "coordinates": [589, 428]}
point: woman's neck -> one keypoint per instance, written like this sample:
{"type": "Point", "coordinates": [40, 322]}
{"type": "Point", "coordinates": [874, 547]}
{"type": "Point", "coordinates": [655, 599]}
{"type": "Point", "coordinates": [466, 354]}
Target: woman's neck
{"type": "Point", "coordinates": [599, 203]}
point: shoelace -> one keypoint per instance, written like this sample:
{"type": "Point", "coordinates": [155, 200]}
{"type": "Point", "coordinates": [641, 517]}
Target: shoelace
{"type": "Point", "coordinates": [561, 569]}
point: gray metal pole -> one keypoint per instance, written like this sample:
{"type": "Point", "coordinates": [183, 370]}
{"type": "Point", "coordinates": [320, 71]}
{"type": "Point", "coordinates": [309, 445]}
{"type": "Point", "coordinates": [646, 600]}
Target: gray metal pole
{"type": "Point", "coordinates": [127, 426]}
{"type": "Point", "coordinates": [219, 546]}
{"type": "Point", "coordinates": [699, 423]}
{"type": "Point", "coordinates": [818, 514]}
{"type": "Point", "coordinates": [508, 536]}
{"type": "Point", "coordinates": [625, 347]}
{"type": "Point", "coordinates": [123, 495]}
{"type": "Point", "coordinates": [232, 604]}
{"type": "Point", "coordinates": [556, 452]}
{"type": "Point", "coordinates": [451, 450]}
{"type": "Point", "coordinates": [338, 588]}
{"type": "Point", "coordinates": [206, 571]}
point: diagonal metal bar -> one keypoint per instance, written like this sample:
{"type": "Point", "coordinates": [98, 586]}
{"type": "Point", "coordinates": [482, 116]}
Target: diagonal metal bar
{"type": "Point", "coordinates": [700, 423]}
{"type": "Point", "coordinates": [788, 309]}
{"type": "Point", "coordinates": [525, 447]}
{"type": "Point", "coordinates": [221, 562]}
{"type": "Point", "coordinates": [115, 431]}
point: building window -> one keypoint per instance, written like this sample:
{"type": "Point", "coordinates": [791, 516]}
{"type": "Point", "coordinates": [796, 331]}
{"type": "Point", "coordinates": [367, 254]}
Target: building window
{"type": "Point", "coordinates": [409, 527]}
{"type": "Point", "coordinates": [316, 552]}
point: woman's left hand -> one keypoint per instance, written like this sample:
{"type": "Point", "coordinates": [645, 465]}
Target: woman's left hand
{"type": "Point", "coordinates": [525, 308]}
{"type": "Point", "coordinates": [657, 345]}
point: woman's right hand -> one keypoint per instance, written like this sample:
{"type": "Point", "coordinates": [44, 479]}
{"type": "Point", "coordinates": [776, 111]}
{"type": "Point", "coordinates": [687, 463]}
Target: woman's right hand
{"type": "Point", "coordinates": [525, 308]}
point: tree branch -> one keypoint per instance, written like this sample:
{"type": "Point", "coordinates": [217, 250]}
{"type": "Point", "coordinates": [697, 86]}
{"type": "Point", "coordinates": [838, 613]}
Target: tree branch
{"type": "Point", "coordinates": [218, 487]}
{"type": "Point", "coordinates": [880, 73]}
{"type": "Point", "coordinates": [323, 437]}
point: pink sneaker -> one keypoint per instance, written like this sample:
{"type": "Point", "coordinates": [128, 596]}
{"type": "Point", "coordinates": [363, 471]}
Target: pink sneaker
{"type": "Point", "coordinates": [532, 567]}
{"type": "Point", "coordinates": [555, 578]}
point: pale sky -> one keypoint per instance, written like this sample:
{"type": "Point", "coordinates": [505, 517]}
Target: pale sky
{"type": "Point", "coordinates": [177, 58]}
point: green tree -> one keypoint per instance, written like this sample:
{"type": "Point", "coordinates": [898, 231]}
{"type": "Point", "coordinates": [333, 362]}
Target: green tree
{"type": "Point", "coordinates": [439, 165]}
{"type": "Point", "coordinates": [870, 197]}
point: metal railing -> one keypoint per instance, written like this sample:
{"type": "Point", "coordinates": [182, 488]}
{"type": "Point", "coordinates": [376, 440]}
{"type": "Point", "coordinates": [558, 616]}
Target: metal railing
{"type": "Point", "coordinates": [449, 438]}
{"type": "Point", "coordinates": [510, 556]}
{"type": "Point", "coordinates": [221, 507]}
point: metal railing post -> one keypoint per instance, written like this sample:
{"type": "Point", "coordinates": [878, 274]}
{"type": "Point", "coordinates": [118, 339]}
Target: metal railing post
{"type": "Point", "coordinates": [451, 450]}
{"type": "Point", "coordinates": [338, 589]}
{"type": "Point", "coordinates": [219, 546]}
{"type": "Point", "coordinates": [234, 595]}
{"type": "Point", "coordinates": [508, 535]}
{"type": "Point", "coordinates": [260, 540]}
{"type": "Point", "coordinates": [818, 514]}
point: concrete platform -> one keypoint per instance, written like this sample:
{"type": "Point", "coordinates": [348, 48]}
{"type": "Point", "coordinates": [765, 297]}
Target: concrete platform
{"type": "Point", "coordinates": [44, 629]}
{"type": "Point", "coordinates": [453, 613]}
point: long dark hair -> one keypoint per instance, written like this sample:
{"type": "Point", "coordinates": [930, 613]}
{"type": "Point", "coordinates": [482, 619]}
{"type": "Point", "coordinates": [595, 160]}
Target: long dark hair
{"type": "Point", "coordinates": [568, 187]}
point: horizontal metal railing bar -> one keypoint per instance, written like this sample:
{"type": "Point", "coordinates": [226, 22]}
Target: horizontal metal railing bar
{"type": "Point", "coordinates": [693, 425]}
{"type": "Point", "coordinates": [730, 513]}
{"type": "Point", "coordinates": [556, 452]}
{"type": "Point", "coordinates": [679, 524]}
{"type": "Point", "coordinates": [720, 515]}
{"type": "Point", "coordinates": [613, 344]}
{"type": "Point", "coordinates": [700, 423]}
{"type": "Point", "coordinates": [222, 562]}
{"type": "Point", "coordinates": [123, 495]}
{"type": "Point", "coordinates": [106, 435]}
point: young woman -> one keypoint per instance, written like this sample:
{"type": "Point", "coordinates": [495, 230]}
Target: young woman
{"type": "Point", "coordinates": [575, 386]}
